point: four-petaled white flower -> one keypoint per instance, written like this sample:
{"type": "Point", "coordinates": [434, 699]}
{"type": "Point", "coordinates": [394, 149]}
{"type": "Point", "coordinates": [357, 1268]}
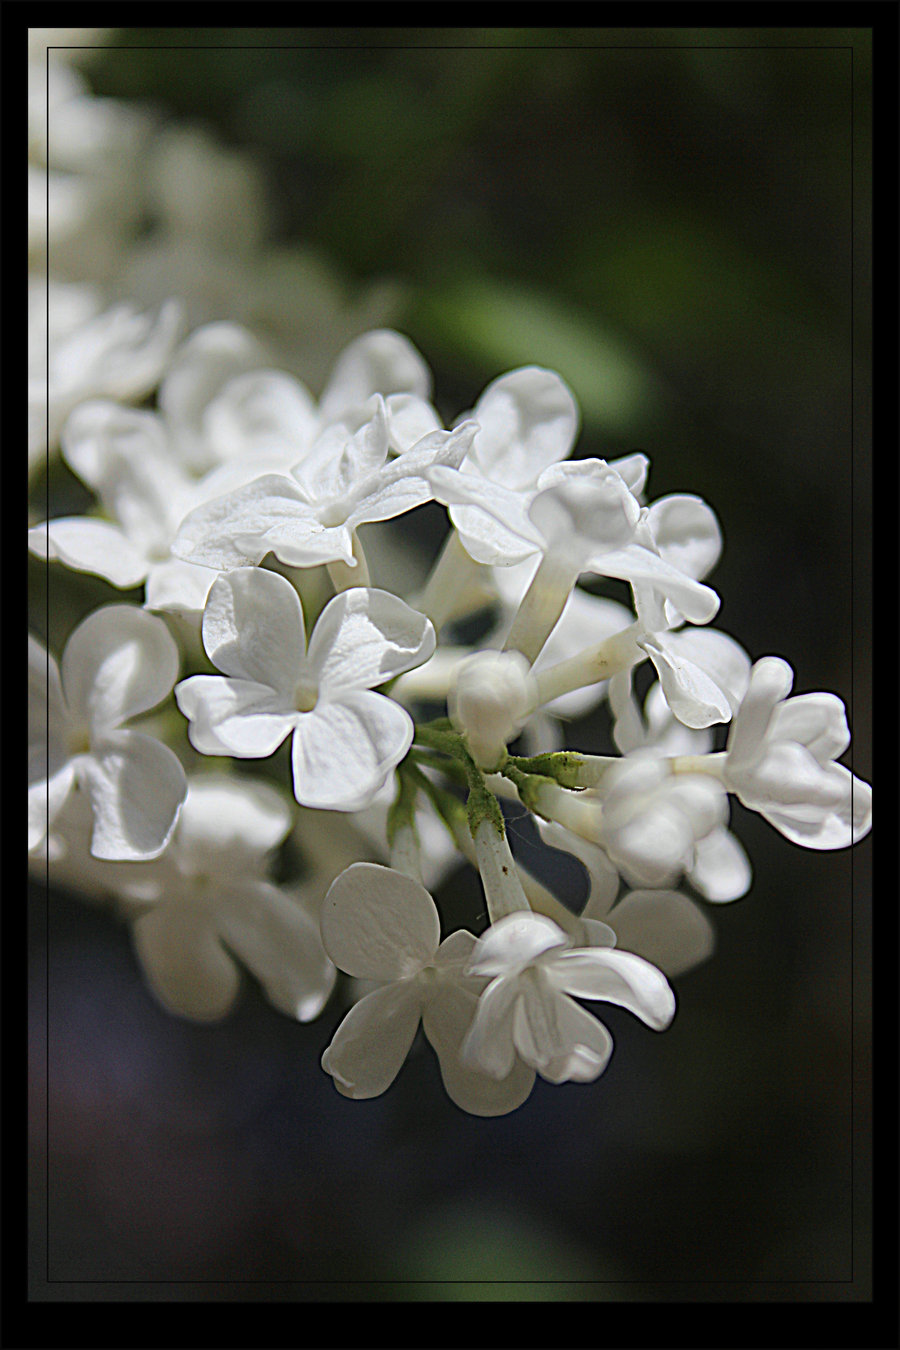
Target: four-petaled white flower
{"type": "Point", "coordinates": [310, 515]}
{"type": "Point", "coordinates": [780, 761]}
{"type": "Point", "coordinates": [346, 737]}
{"type": "Point", "coordinates": [528, 1012]}
{"type": "Point", "coordinates": [119, 662]}
{"type": "Point", "coordinates": [207, 900]}
{"type": "Point", "coordinates": [378, 924]}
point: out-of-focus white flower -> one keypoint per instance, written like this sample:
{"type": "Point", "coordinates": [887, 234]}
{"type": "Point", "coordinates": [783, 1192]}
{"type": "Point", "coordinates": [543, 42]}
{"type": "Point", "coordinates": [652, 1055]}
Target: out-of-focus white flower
{"type": "Point", "coordinates": [119, 662]}
{"type": "Point", "coordinates": [528, 1013]}
{"type": "Point", "coordinates": [346, 737]}
{"type": "Point", "coordinates": [124, 456]}
{"type": "Point", "coordinates": [207, 900]}
{"type": "Point", "coordinates": [380, 925]}
{"type": "Point", "coordinates": [780, 761]}
{"type": "Point", "coordinates": [118, 354]}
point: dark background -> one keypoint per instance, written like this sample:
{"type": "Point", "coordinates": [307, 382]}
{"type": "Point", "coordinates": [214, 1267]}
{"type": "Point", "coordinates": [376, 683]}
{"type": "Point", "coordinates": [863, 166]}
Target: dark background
{"type": "Point", "coordinates": [678, 222]}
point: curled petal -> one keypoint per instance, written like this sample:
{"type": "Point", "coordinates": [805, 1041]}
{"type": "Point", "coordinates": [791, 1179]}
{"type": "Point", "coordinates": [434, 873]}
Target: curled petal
{"type": "Point", "coordinates": [368, 1049]}
{"type": "Point", "coordinates": [694, 697]}
{"type": "Point", "coordinates": [136, 786]}
{"type": "Point", "coordinates": [514, 942]}
{"type": "Point", "coordinates": [770, 681]}
{"type": "Point", "coordinates": [616, 977]}
{"type": "Point", "coordinates": [240, 527]}
{"type": "Point", "coordinates": [488, 1044]}
{"type": "Point", "coordinates": [120, 661]}
{"type": "Point", "coordinates": [839, 825]}
{"type": "Point", "coordinates": [46, 798]}
{"type": "Point", "coordinates": [342, 752]}
{"type": "Point", "coordinates": [571, 1047]}
{"type": "Point", "coordinates": [378, 924]}
{"type": "Point", "coordinates": [366, 636]}
{"type": "Point", "coordinates": [818, 721]}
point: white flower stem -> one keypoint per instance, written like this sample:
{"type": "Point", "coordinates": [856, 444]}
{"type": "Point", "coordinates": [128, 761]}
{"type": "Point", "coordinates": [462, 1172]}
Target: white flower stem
{"type": "Point", "coordinates": [431, 681]}
{"type": "Point", "coordinates": [343, 577]}
{"type": "Point", "coordinates": [541, 607]}
{"type": "Point", "coordinates": [499, 877]}
{"type": "Point", "coordinates": [713, 764]}
{"type": "Point", "coordinates": [454, 586]}
{"type": "Point", "coordinates": [619, 652]}
{"type": "Point", "coordinates": [406, 856]}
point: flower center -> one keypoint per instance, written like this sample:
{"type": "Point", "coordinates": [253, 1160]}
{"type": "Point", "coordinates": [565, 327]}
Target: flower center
{"type": "Point", "coordinates": [306, 694]}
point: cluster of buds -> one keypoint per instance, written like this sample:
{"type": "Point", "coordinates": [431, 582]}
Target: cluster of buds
{"type": "Point", "coordinates": [255, 533]}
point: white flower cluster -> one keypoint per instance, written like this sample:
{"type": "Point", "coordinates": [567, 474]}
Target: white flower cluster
{"type": "Point", "coordinates": [253, 517]}
{"type": "Point", "coordinates": [237, 465]}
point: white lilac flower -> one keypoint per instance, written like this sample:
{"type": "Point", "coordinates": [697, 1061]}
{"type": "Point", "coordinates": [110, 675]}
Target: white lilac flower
{"type": "Point", "coordinates": [584, 517]}
{"type": "Point", "coordinates": [123, 454]}
{"type": "Point", "coordinates": [311, 515]}
{"type": "Point", "coordinates": [527, 1012]}
{"type": "Point", "coordinates": [720, 870]}
{"type": "Point", "coordinates": [649, 821]}
{"type": "Point", "coordinates": [119, 662]}
{"type": "Point", "coordinates": [346, 738]}
{"type": "Point", "coordinates": [780, 761]}
{"type": "Point", "coordinates": [206, 904]}
{"type": "Point", "coordinates": [379, 925]}
{"type": "Point", "coordinates": [118, 354]}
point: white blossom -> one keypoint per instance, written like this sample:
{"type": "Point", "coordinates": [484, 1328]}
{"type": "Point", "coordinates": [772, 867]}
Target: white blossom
{"type": "Point", "coordinates": [380, 925]}
{"type": "Point", "coordinates": [346, 738]}
{"type": "Point", "coordinates": [781, 756]}
{"type": "Point", "coordinates": [119, 662]}
{"type": "Point", "coordinates": [528, 1012]}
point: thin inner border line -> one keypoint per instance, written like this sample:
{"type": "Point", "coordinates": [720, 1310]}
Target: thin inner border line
{"type": "Point", "coordinates": [451, 47]}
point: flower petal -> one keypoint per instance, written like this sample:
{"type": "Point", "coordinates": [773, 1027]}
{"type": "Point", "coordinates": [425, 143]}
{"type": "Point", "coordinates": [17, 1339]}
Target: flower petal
{"type": "Point", "coordinates": [666, 928]}
{"type": "Point", "coordinates": [253, 629]}
{"type": "Point", "coordinates": [635, 563]}
{"type": "Point", "coordinates": [686, 532]}
{"type": "Point", "coordinates": [234, 717]}
{"type": "Point", "coordinates": [366, 636]}
{"type": "Point", "coordinates": [446, 1020]}
{"type": "Point", "coordinates": [694, 697]}
{"type": "Point", "coordinates": [721, 870]}
{"type": "Point", "coordinates": [818, 721]}
{"type": "Point", "coordinates": [343, 751]}
{"type": "Point", "coordinates": [616, 977]}
{"type": "Point", "coordinates": [828, 827]}
{"type": "Point", "coordinates": [177, 587]}
{"type": "Point", "coordinates": [770, 681]}
{"type": "Point", "coordinates": [261, 409]}
{"type": "Point", "coordinates": [514, 942]}
{"type": "Point", "coordinates": [185, 964]}
{"type": "Point", "coordinates": [234, 820]}
{"type": "Point", "coordinates": [381, 362]}
{"type": "Point", "coordinates": [241, 527]}
{"type": "Point", "coordinates": [488, 1044]}
{"type": "Point", "coordinates": [528, 420]}
{"type": "Point", "coordinates": [46, 798]}
{"type": "Point", "coordinates": [378, 924]}
{"type": "Point", "coordinates": [136, 786]}
{"type": "Point", "coordinates": [120, 661]}
{"type": "Point", "coordinates": [279, 943]}
{"type": "Point", "coordinates": [368, 1049]}
{"type": "Point", "coordinates": [203, 364]}
{"type": "Point", "coordinates": [88, 545]}
{"type": "Point", "coordinates": [572, 1047]}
